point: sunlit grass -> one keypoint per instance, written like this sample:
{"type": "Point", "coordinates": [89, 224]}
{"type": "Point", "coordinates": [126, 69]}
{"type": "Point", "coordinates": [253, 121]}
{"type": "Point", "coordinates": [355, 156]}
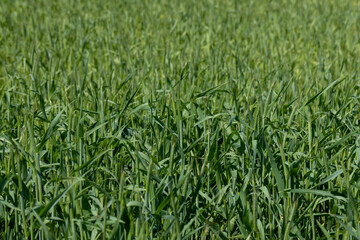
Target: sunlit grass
{"type": "Point", "coordinates": [179, 119]}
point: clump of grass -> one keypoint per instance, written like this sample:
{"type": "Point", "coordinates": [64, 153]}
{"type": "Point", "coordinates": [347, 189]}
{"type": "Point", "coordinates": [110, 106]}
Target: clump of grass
{"type": "Point", "coordinates": [179, 119]}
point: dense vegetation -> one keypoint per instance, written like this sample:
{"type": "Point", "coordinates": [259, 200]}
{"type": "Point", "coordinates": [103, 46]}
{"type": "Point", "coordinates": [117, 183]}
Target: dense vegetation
{"type": "Point", "coordinates": [181, 119]}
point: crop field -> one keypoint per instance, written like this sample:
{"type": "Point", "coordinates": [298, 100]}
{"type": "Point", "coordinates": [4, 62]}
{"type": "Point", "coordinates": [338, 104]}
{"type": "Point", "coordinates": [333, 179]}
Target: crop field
{"type": "Point", "coordinates": [179, 119]}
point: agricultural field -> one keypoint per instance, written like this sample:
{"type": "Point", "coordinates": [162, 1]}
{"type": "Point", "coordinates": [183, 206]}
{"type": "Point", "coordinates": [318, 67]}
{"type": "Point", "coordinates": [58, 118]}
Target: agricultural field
{"type": "Point", "coordinates": [179, 119]}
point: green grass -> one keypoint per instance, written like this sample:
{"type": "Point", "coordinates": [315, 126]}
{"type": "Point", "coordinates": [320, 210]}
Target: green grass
{"type": "Point", "coordinates": [184, 119]}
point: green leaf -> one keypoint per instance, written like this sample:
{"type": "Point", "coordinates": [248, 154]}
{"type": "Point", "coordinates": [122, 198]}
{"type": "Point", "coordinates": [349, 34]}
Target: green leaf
{"type": "Point", "coordinates": [318, 193]}
{"type": "Point", "coordinates": [261, 229]}
{"type": "Point", "coordinates": [334, 83]}
{"type": "Point", "coordinates": [91, 161]}
{"type": "Point", "coordinates": [275, 170]}
{"type": "Point", "coordinates": [50, 130]}
{"type": "Point", "coordinates": [331, 177]}
{"type": "Point", "coordinates": [53, 202]}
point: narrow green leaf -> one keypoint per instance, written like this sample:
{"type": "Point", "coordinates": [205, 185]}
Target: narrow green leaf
{"type": "Point", "coordinates": [275, 170]}
{"type": "Point", "coordinates": [318, 193]}
{"type": "Point", "coordinates": [50, 130]}
{"type": "Point", "coordinates": [91, 161]}
{"type": "Point", "coordinates": [331, 177]}
{"type": "Point", "coordinates": [53, 202]}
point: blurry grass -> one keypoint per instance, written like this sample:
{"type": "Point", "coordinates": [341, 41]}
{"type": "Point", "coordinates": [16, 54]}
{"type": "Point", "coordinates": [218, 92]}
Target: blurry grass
{"type": "Point", "coordinates": [179, 119]}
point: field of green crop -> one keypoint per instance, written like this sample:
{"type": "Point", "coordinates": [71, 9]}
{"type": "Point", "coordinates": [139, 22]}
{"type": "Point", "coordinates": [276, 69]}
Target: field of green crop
{"type": "Point", "coordinates": [179, 119]}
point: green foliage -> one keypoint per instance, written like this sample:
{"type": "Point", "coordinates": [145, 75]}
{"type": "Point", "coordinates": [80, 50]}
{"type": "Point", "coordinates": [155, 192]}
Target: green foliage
{"type": "Point", "coordinates": [191, 119]}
